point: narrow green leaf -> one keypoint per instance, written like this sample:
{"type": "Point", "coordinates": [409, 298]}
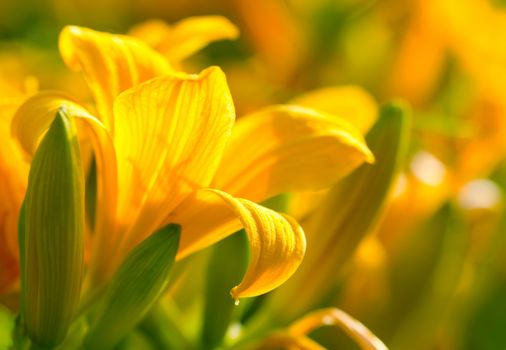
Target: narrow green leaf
{"type": "Point", "coordinates": [135, 288]}
{"type": "Point", "coordinates": [425, 275]}
{"type": "Point", "coordinates": [227, 265]}
{"type": "Point", "coordinates": [485, 329]}
{"type": "Point", "coordinates": [53, 243]}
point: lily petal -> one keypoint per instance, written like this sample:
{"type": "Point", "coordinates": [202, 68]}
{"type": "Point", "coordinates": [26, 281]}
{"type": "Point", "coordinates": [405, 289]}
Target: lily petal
{"type": "Point", "coordinates": [288, 148]}
{"type": "Point", "coordinates": [111, 63]}
{"type": "Point", "coordinates": [186, 37]}
{"type": "Point", "coordinates": [332, 316]}
{"type": "Point", "coordinates": [351, 103]}
{"type": "Point", "coordinates": [169, 140]}
{"type": "Point", "coordinates": [277, 242]}
{"type": "Point", "coordinates": [35, 115]}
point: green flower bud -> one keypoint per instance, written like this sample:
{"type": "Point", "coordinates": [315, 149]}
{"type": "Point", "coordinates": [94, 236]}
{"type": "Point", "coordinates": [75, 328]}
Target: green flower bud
{"type": "Point", "coordinates": [53, 235]}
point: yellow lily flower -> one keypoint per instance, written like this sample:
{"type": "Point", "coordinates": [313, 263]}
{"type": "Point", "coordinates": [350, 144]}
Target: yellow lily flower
{"type": "Point", "coordinates": [167, 152]}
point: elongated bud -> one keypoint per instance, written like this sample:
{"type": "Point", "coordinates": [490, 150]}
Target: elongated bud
{"type": "Point", "coordinates": [53, 235]}
{"type": "Point", "coordinates": [135, 288]}
{"type": "Point", "coordinates": [353, 207]}
{"type": "Point", "coordinates": [348, 213]}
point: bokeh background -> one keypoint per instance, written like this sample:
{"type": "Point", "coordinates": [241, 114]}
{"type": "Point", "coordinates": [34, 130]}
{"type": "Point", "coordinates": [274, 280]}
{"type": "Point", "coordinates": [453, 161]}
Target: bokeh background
{"type": "Point", "coordinates": [433, 276]}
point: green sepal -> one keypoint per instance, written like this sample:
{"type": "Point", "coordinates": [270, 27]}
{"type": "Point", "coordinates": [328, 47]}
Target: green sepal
{"type": "Point", "coordinates": [134, 289]}
{"type": "Point", "coordinates": [52, 244]}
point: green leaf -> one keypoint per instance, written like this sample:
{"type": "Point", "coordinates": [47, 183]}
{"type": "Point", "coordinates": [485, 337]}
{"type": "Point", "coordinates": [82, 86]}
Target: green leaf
{"type": "Point", "coordinates": [135, 288]}
{"type": "Point", "coordinates": [53, 242]}
{"type": "Point", "coordinates": [227, 265]}
{"type": "Point", "coordinates": [485, 330]}
{"type": "Point", "coordinates": [425, 276]}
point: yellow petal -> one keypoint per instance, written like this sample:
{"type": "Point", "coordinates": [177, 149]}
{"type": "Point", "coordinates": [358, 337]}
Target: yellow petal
{"type": "Point", "coordinates": [205, 221]}
{"type": "Point", "coordinates": [153, 32]}
{"type": "Point", "coordinates": [277, 242]}
{"type": "Point", "coordinates": [170, 136]}
{"type": "Point", "coordinates": [288, 148]}
{"type": "Point", "coordinates": [111, 64]}
{"type": "Point", "coordinates": [332, 316]}
{"type": "Point", "coordinates": [350, 103]}
{"type": "Point", "coordinates": [186, 37]}
{"type": "Point", "coordinates": [35, 115]}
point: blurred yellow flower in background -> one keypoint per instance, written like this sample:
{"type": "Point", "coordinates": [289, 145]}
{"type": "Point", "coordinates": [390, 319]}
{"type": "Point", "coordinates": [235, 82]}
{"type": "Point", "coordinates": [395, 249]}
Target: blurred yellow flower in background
{"type": "Point", "coordinates": [14, 170]}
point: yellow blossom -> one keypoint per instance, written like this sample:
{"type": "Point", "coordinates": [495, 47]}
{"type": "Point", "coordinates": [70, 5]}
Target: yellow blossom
{"type": "Point", "coordinates": [160, 137]}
